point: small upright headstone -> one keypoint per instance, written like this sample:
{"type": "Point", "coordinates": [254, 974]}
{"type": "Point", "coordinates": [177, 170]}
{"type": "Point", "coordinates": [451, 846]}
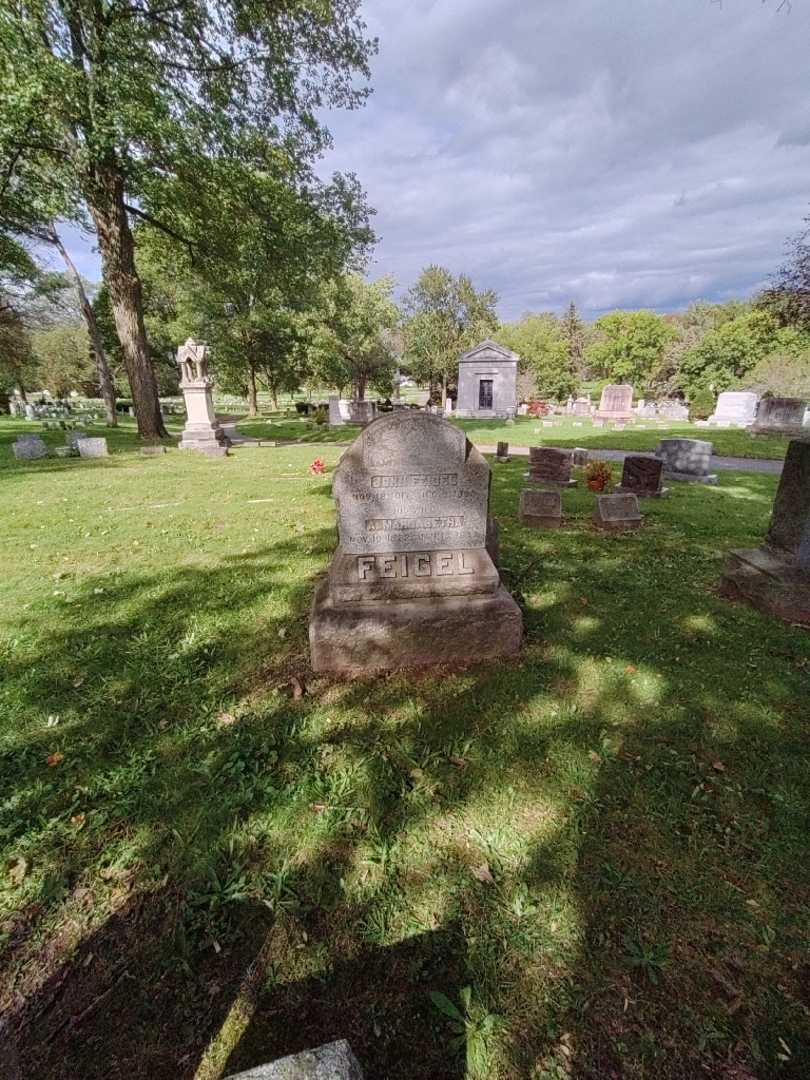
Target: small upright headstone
{"type": "Point", "coordinates": [29, 448]}
{"type": "Point", "coordinates": [550, 467]}
{"type": "Point", "coordinates": [412, 582]}
{"type": "Point", "coordinates": [686, 459]}
{"type": "Point", "coordinates": [617, 513]}
{"type": "Point", "coordinates": [502, 452]}
{"type": "Point", "coordinates": [153, 451]}
{"type": "Point", "coordinates": [735, 407]}
{"type": "Point", "coordinates": [580, 457]}
{"type": "Point", "coordinates": [333, 1061]}
{"type": "Point", "coordinates": [673, 410]}
{"type": "Point", "coordinates": [72, 438]}
{"type": "Point", "coordinates": [581, 407]}
{"type": "Point", "coordinates": [642, 476]}
{"type": "Point", "coordinates": [335, 415]}
{"type": "Point", "coordinates": [781, 416]}
{"type": "Point", "coordinates": [616, 402]}
{"type": "Point", "coordinates": [362, 412]}
{"type": "Point", "coordinates": [540, 509]}
{"type": "Point", "coordinates": [92, 448]}
{"type": "Point", "coordinates": [775, 578]}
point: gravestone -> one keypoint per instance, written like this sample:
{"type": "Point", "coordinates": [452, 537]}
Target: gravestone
{"type": "Point", "coordinates": [92, 448]}
{"type": "Point", "coordinates": [581, 407]}
{"type": "Point", "coordinates": [361, 412]}
{"type": "Point", "coordinates": [580, 457]}
{"type": "Point", "coordinates": [617, 513]}
{"type": "Point", "coordinates": [412, 582]}
{"type": "Point", "coordinates": [72, 438]}
{"type": "Point", "coordinates": [775, 578]}
{"type": "Point", "coordinates": [642, 476]}
{"type": "Point", "coordinates": [333, 1061]}
{"type": "Point", "coordinates": [647, 410]}
{"type": "Point", "coordinates": [673, 410]}
{"type": "Point", "coordinates": [29, 448]}
{"type": "Point", "coordinates": [616, 402]}
{"type": "Point", "coordinates": [550, 467]}
{"type": "Point", "coordinates": [202, 430]}
{"type": "Point", "coordinates": [153, 451]}
{"type": "Point", "coordinates": [502, 452]}
{"type": "Point", "coordinates": [335, 416]}
{"type": "Point", "coordinates": [540, 509]}
{"type": "Point", "coordinates": [686, 459]}
{"type": "Point", "coordinates": [781, 416]}
{"type": "Point", "coordinates": [735, 407]}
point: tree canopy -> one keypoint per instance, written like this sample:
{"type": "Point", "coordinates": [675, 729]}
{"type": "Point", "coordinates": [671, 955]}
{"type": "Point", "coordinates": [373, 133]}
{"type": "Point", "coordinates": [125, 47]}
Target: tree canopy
{"type": "Point", "coordinates": [545, 353]}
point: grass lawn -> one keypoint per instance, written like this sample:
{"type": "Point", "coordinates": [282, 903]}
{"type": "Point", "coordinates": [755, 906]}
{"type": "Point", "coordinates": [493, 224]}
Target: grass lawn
{"type": "Point", "coordinates": [210, 857]}
{"type": "Point", "coordinates": [526, 431]}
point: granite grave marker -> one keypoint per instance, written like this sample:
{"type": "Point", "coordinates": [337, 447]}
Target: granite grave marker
{"type": "Point", "coordinates": [550, 467]}
{"type": "Point", "coordinates": [686, 459]}
{"type": "Point", "coordinates": [541, 509]}
{"type": "Point", "coordinates": [642, 476]}
{"type": "Point", "coordinates": [617, 513]}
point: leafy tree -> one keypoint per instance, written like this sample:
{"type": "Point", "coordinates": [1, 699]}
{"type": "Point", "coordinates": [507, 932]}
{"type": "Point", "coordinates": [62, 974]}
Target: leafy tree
{"type": "Point", "coordinates": [726, 354]}
{"type": "Point", "coordinates": [350, 336]}
{"type": "Point", "coordinates": [545, 352]}
{"type": "Point", "coordinates": [445, 316]}
{"type": "Point", "coordinates": [783, 373]}
{"type": "Point", "coordinates": [113, 104]}
{"type": "Point", "coordinates": [629, 346]}
{"type": "Point", "coordinates": [789, 298]}
{"type": "Point", "coordinates": [574, 333]}
{"type": "Point", "coordinates": [64, 360]}
{"type": "Point", "coordinates": [17, 274]}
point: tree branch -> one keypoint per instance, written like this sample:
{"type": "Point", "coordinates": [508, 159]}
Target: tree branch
{"type": "Point", "coordinates": [144, 216]}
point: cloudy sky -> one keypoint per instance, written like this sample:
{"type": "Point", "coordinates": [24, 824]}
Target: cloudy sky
{"type": "Point", "coordinates": [620, 153]}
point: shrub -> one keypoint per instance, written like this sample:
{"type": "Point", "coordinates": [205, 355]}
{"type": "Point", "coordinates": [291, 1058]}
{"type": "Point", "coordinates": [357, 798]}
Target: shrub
{"type": "Point", "coordinates": [701, 405]}
{"type": "Point", "coordinates": [598, 474]}
{"type": "Point", "coordinates": [321, 415]}
{"type": "Point", "coordinates": [538, 408]}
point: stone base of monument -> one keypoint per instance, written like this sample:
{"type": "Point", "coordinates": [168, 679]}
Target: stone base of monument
{"type": "Point", "coordinates": [203, 437]}
{"type": "Point", "coordinates": [620, 490]}
{"type": "Point", "coordinates": [348, 639]}
{"type": "Point", "coordinates": [771, 582]}
{"type": "Point", "coordinates": [333, 1061]}
{"type": "Point", "coordinates": [691, 478]}
{"type": "Point", "coordinates": [617, 513]}
{"type": "Point", "coordinates": [792, 432]}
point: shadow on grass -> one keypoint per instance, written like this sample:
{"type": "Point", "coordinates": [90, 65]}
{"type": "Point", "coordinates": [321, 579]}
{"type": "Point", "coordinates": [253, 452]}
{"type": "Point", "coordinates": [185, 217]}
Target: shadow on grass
{"type": "Point", "coordinates": [576, 835]}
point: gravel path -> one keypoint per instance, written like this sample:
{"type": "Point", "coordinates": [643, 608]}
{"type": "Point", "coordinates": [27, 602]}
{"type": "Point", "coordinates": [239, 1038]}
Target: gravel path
{"type": "Point", "coordinates": [760, 465]}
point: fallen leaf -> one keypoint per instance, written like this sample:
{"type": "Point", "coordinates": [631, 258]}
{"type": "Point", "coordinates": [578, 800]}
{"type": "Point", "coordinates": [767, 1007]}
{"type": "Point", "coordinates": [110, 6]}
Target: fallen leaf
{"type": "Point", "coordinates": [18, 870]}
{"type": "Point", "coordinates": [459, 762]}
{"type": "Point", "coordinates": [297, 689]}
{"type": "Point", "coordinates": [55, 759]}
{"type": "Point", "coordinates": [78, 820]}
{"type": "Point", "coordinates": [630, 670]}
{"type": "Point", "coordinates": [592, 754]}
{"type": "Point", "coordinates": [319, 807]}
{"type": "Point", "coordinates": [718, 766]}
{"type": "Point", "coordinates": [483, 874]}
{"type": "Point", "coordinates": [226, 719]}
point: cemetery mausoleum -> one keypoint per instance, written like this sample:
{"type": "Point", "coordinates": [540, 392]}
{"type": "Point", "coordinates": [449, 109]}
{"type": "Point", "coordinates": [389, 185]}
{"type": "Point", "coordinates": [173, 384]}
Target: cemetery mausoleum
{"type": "Point", "coordinates": [487, 381]}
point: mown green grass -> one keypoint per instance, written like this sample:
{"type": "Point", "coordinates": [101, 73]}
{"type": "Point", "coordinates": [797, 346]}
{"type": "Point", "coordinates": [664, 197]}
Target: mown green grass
{"type": "Point", "coordinates": [526, 431]}
{"type": "Point", "coordinates": [606, 840]}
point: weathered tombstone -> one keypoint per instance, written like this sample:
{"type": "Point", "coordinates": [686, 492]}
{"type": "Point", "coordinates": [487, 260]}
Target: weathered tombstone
{"type": "Point", "coordinates": [202, 430]}
{"type": "Point", "coordinates": [412, 582]}
{"type": "Point", "coordinates": [550, 467]}
{"type": "Point", "coordinates": [362, 412]}
{"type": "Point", "coordinates": [616, 402]}
{"type": "Point", "coordinates": [29, 448]}
{"type": "Point", "coordinates": [775, 578]}
{"type": "Point", "coordinates": [617, 513]}
{"type": "Point", "coordinates": [72, 438]}
{"type": "Point", "coordinates": [92, 448]}
{"type": "Point", "coordinates": [335, 417]}
{"type": "Point", "coordinates": [502, 452]}
{"type": "Point", "coordinates": [581, 407]}
{"type": "Point", "coordinates": [333, 1061]}
{"type": "Point", "coordinates": [580, 457]}
{"type": "Point", "coordinates": [686, 459]}
{"type": "Point", "coordinates": [152, 451]}
{"type": "Point", "coordinates": [642, 476]}
{"type": "Point", "coordinates": [540, 509]}
{"type": "Point", "coordinates": [646, 409]}
{"type": "Point", "coordinates": [673, 410]}
{"type": "Point", "coordinates": [781, 416]}
{"type": "Point", "coordinates": [735, 407]}
{"type": "Point", "coordinates": [30, 412]}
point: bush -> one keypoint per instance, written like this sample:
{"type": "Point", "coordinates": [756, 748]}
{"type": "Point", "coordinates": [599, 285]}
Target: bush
{"type": "Point", "coordinates": [701, 405]}
{"type": "Point", "coordinates": [538, 408]}
{"type": "Point", "coordinates": [321, 415]}
{"type": "Point", "coordinates": [598, 474]}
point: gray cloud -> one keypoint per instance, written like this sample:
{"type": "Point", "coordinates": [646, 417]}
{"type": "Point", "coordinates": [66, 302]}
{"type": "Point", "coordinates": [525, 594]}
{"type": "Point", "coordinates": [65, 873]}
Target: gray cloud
{"type": "Point", "coordinates": [640, 153]}
{"type": "Point", "coordinates": [635, 154]}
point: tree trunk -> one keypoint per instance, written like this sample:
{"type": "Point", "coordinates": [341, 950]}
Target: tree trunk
{"type": "Point", "coordinates": [360, 388]}
{"type": "Point", "coordinates": [105, 380]}
{"type": "Point", "coordinates": [253, 397]}
{"type": "Point", "coordinates": [105, 197]}
{"type": "Point", "coordinates": [444, 388]}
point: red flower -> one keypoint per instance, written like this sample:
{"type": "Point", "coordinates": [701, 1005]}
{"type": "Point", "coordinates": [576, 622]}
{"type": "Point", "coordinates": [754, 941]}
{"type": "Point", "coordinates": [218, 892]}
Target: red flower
{"type": "Point", "coordinates": [317, 468]}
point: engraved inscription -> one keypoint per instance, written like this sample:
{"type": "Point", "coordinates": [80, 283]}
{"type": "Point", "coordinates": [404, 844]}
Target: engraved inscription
{"type": "Point", "coordinates": [413, 563]}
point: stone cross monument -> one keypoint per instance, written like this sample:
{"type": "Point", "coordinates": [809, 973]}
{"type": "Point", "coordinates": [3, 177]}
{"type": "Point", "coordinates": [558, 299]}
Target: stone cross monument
{"type": "Point", "coordinates": [412, 582]}
{"type": "Point", "coordinates": [202, 430]}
